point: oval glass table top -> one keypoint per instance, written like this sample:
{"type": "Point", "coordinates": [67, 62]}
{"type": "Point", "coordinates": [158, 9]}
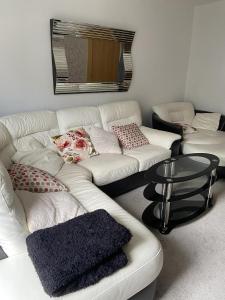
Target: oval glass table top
{"type": "Point", "coordinates": [182, 168]}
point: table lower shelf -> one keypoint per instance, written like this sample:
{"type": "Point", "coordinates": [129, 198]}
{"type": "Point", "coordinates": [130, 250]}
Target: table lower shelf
{"type": "Point", "coordinates": [180, 212]}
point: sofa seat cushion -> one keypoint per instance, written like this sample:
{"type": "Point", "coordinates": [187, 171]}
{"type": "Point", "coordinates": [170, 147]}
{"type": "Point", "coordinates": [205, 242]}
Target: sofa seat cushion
{"type": "Point", "coordinates": [205, 137]}
{"type": "Point", "coordinates": [144, 252]}
{"type": "Point", "coordinates": [216, 149]}
{"type": "Point", "coordinates": [107, 168]}
{"type": "Point", "coordinates": [148, 155]}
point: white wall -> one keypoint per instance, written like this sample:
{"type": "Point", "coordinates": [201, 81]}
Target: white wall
{"type": "Point", "coordinates": [160, 50]}
{"type": "Point", "coordinates": [206, 74]}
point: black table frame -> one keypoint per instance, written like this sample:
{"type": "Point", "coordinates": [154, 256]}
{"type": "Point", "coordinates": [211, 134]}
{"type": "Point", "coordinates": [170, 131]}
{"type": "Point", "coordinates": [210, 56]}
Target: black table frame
{"type": "Point", "coordinates": [167, 203]}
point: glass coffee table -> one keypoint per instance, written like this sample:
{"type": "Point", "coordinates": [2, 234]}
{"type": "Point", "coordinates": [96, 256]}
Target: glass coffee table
{"type": "Point", "coordinates": [180, 188]}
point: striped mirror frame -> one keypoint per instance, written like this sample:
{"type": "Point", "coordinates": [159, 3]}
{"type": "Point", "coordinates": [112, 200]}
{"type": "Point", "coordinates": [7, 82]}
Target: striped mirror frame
{"type": "Point", "coordinates": [66, 41]}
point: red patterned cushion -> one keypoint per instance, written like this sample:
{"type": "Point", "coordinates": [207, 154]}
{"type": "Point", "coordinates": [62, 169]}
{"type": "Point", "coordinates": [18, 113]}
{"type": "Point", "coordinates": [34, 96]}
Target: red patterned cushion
{"type": "Point", "coordinates": [31, 179]}
{"type": "Point", "coordinates": [74, 145]}
{"type": "Point", "coordinates": [130, 136]}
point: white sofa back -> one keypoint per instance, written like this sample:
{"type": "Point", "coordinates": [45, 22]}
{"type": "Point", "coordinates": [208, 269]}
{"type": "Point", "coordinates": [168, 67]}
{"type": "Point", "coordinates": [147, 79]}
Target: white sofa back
{"type": "Point", "coordinates": [175, 112]}
{"type": "Point", "coordinates": [78, 117]}
{"type": "Point", "coordinates": [43, 124]}
{"type": "Point", "coordinates": [120, 113]}
{"type": "Point", "coordinates": [30, 126]}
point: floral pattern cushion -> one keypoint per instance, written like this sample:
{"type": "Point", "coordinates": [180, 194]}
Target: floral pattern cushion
{"type": "Point", "coordinates": [34, 180]}
{"type": "Point", "coordinates": [130, 136]}
{"type": "Point", "coordinates": [74, 145]}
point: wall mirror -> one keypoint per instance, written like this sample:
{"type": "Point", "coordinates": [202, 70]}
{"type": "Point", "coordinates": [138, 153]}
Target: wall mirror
{"type": "Point", "coordinates": [89, 58]}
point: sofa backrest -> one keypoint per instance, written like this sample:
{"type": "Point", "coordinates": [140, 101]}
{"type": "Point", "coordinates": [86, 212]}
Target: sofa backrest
{"type": "Point", "coordinates": [120, 113]}
{"type": "Point", "coordinates": [78, 117]}
{"type": "Point", "coordinates": [21, 125]}
{"type": "Point", "coordinates": [175, 112]}
{"type": "Point", "coordinates": [42, 124]}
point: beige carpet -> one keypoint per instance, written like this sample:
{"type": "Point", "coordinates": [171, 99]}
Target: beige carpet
{"type": "Point", "coordinates": [194, 254]}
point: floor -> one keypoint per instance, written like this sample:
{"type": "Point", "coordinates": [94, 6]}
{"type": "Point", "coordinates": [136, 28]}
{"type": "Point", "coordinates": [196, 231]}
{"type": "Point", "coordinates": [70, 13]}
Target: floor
{"type": "Point", "coordinates": [194, 254]}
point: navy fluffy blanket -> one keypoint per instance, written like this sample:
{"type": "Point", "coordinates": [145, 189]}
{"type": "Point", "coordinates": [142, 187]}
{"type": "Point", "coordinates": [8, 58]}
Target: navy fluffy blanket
{"type": "Point", "coordinates": [78, 253]}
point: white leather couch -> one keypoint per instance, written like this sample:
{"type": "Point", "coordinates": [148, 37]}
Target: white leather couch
{"type": "Point", "coordinates": [170, 117]}
{"type": "Point", "coordinates": [18, 280]}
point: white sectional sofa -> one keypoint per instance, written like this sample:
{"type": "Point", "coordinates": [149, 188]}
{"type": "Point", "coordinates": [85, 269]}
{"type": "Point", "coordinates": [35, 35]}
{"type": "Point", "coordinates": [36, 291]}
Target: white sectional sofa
{"type": "Point", "coordinates": [18, 279]}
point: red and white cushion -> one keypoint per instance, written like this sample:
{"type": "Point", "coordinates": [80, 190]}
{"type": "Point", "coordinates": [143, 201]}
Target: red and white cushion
{"type": "Point", "coordinates": [130, 136]}
{"type": "Point", "coordinates": [31, 179]}
{"type": "Point", "coordinates": [74, 145]}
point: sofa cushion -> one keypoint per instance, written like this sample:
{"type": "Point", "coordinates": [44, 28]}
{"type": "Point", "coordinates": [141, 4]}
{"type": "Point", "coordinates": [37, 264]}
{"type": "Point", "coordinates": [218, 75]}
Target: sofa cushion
{"type": "Point", "coordinates": [120, 113]}
{"type": "Point", "coordinates": [31, 179]}
{"type": "Point", "coordinates": [48, 209]}
{"type": "Point", "coordinates": [44, 159]}
{"type": "Point", "coordinates": [130, 136]}
{"type": "Point", "coordinates": [205, 137]}
{"type": "Point", "coordinates": [104, 141]}
{"type": "Point", "coordinates": [74, 145]}
{"type": "Point", "coordinates": [107, 168]}
{"type": "Point", "coordinates": [216, 149]}
{"type": "Point", "coordinates": [148, 155]}
{"type": "Point", "coordinates": [176, 112]}
{"type": "Point", "coordinates": [209, 121]}
{"type": "Point", "coordinates": [72, 173]}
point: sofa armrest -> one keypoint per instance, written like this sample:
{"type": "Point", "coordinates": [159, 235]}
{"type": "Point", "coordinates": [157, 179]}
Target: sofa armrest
{"type": "Point", "coordinates": [159, 137]}
{"type": "Point", "coordinates": [160, 124]}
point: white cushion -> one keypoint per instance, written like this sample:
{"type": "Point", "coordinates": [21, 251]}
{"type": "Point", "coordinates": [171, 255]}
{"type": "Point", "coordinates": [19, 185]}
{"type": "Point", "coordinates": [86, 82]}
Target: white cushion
{"type": "Point", "coordinates": [44, 159]}
{"type": "Point", "coordinates": [202, 136]}
{"type": "Point", "coordinates": [176, 112]}
{"type": "Point", "coordinates": [31, 152]}
{"type": "Point", "coordinates": [205, 141]}
{"type": "Point", "coordinates": [104, 141]}
{"type": "Point", "coordinates": [13, 229]}
{"type": "Point", "coordinates": [216, 149]}
{"type": "Point", "coordinates": [209, 121]}
{"type": "Point", "coordinates": [148, 155]}
{"type": "Point", "coordinates": [73, 173]}
{"type": "Point", "coordinates": [120, 113]}
{"type": "Point", "coordinates": [107, 168]}
{"type": "Point", "coordinates": [72, 118]}
{"type": "Point", "coordinates": [48, 209]}
{"type": "Point", "coordinates": [160, 138]}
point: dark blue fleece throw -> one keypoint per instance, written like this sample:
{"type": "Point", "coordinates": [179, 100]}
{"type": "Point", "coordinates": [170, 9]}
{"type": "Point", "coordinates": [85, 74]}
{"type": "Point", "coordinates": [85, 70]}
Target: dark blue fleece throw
{"type": "Point", "coordinates": [78, 253]}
